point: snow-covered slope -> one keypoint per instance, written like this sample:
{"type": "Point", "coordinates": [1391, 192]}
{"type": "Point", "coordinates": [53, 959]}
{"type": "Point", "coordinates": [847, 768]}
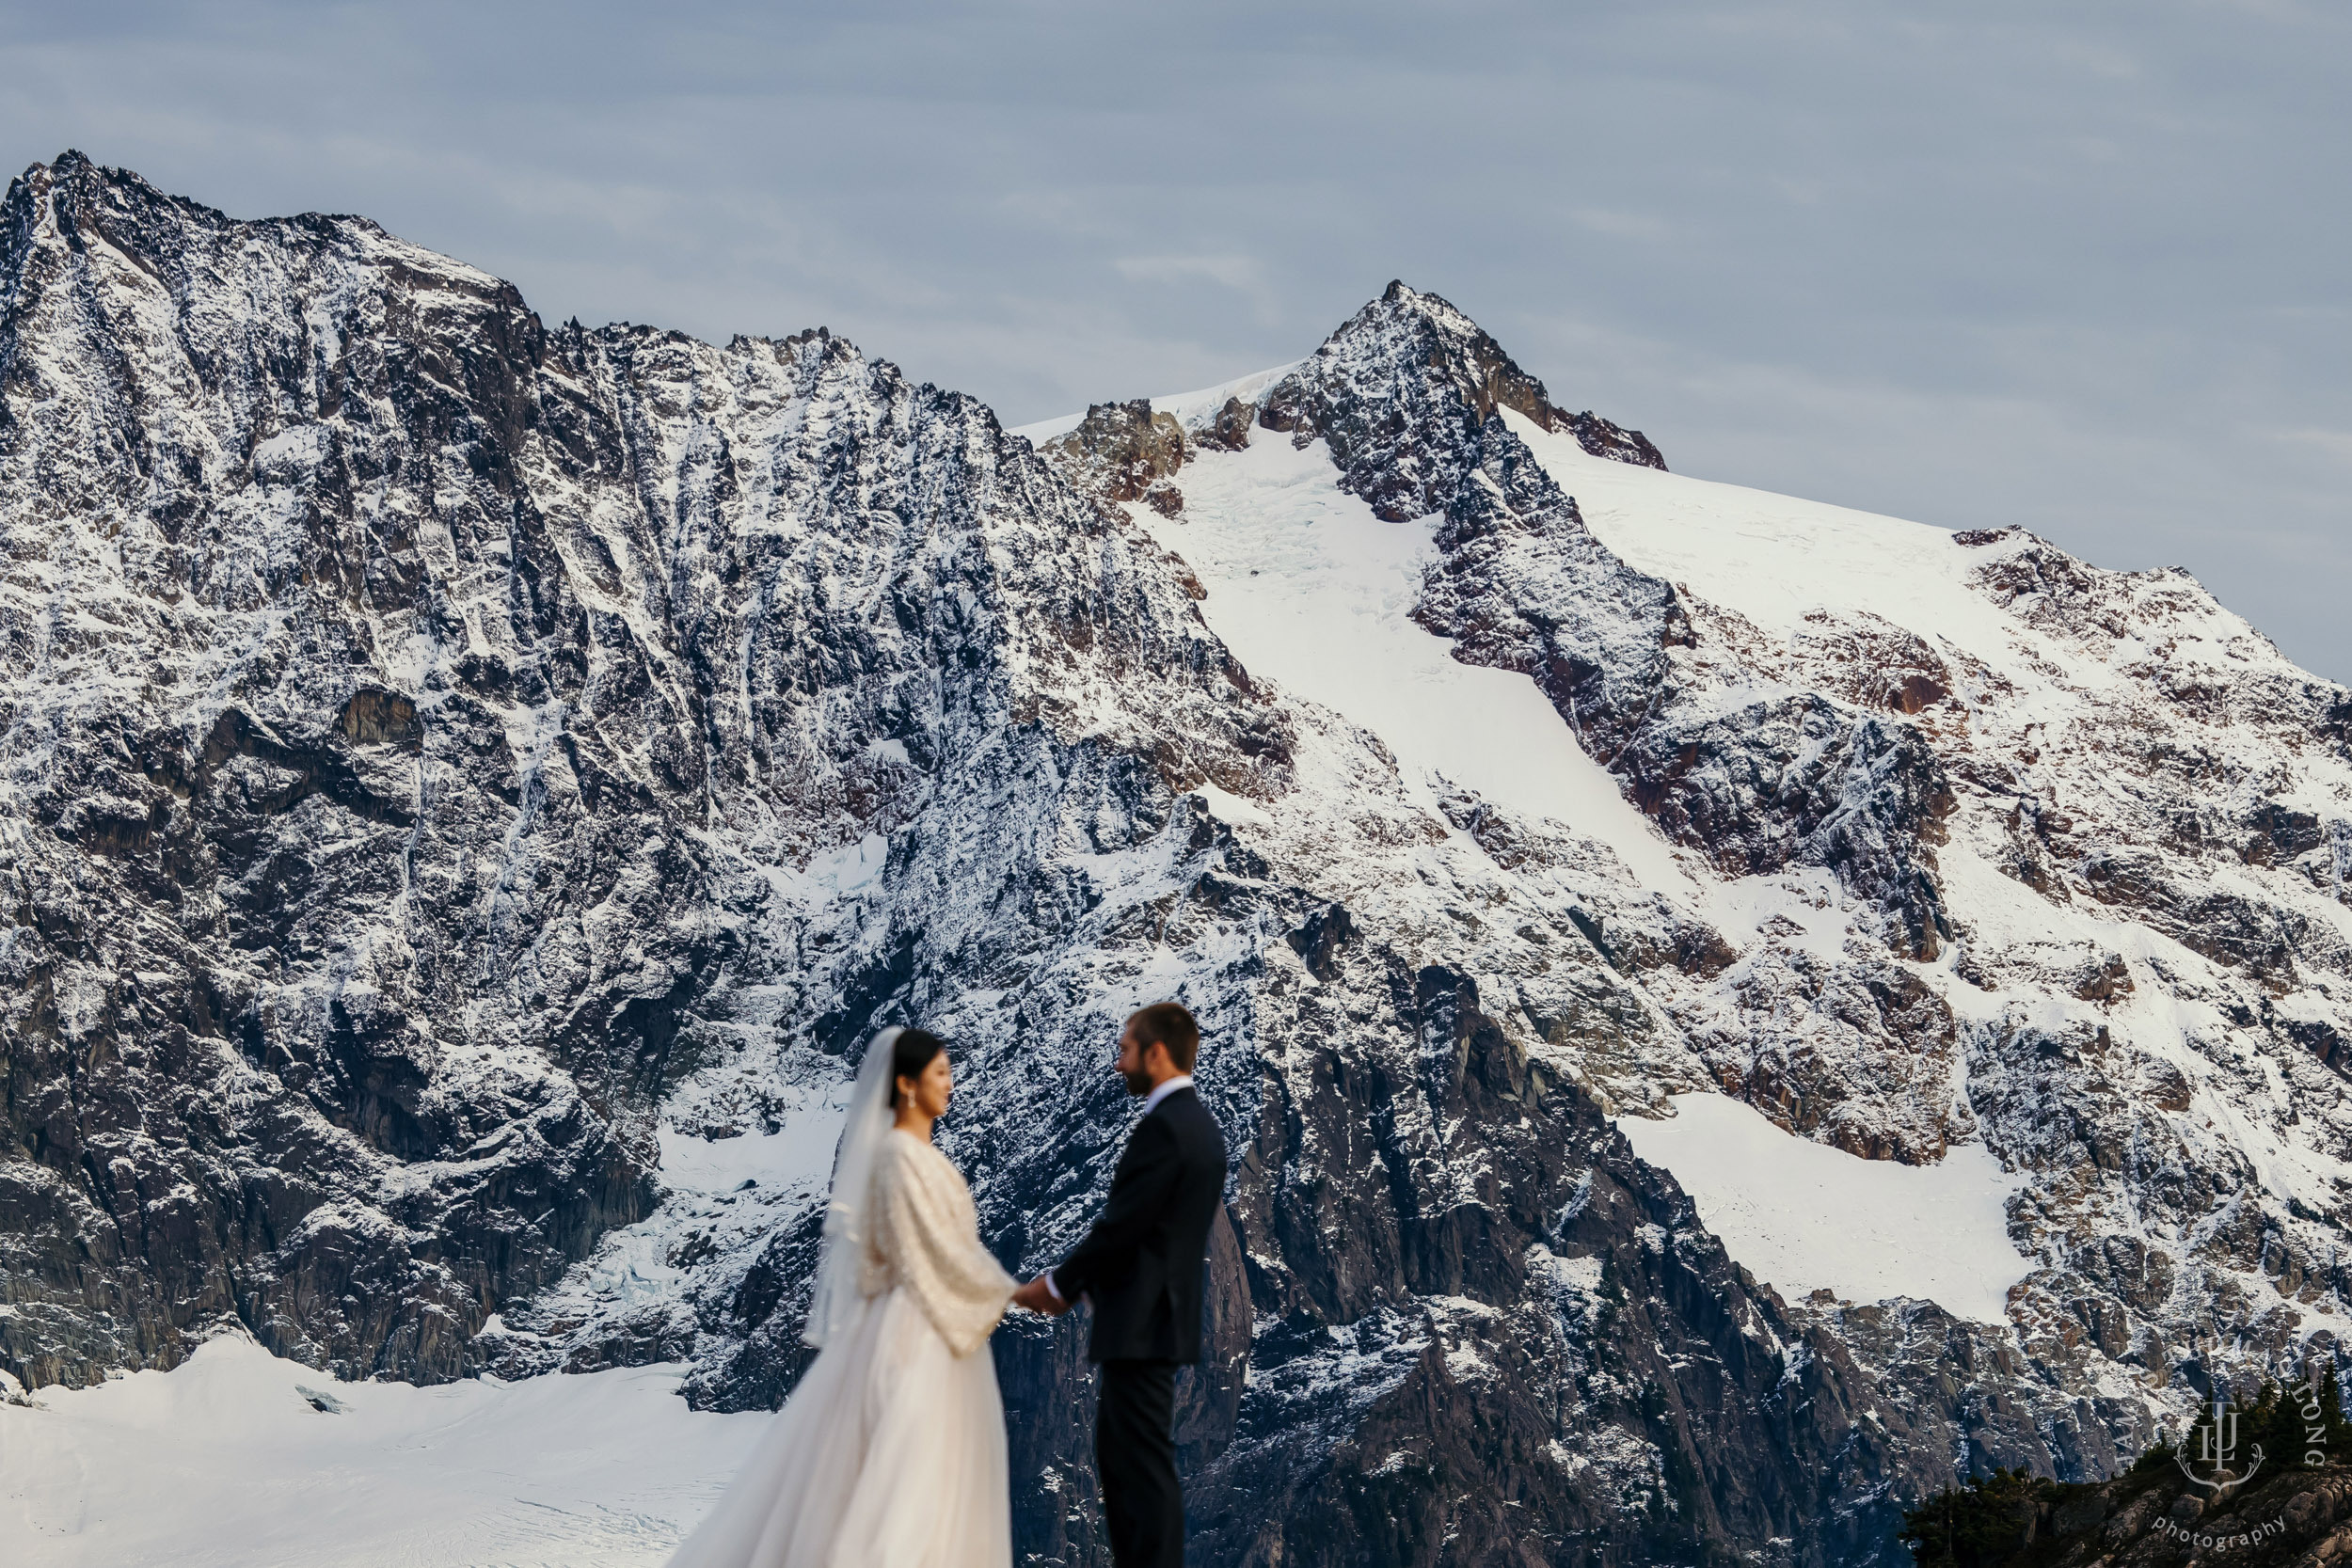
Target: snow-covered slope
{"type": "Point", "coordinates": [1308, 587]}
{"type": "Point", "coordinates": [239, 1459]}
{"type": "Point", "coordinates": [1774, 558]}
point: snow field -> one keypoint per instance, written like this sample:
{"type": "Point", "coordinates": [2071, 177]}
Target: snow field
{"type": "Point", "coordinates": [1802, 1216]}
{"type": "Point", "coordinates": [1776, 558]}
{"type": "Point", "coordinates": [226, 1463]}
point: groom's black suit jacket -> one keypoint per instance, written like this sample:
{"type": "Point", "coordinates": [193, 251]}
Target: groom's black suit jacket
{"type": "Point", "coordinates": [1143, 1260]}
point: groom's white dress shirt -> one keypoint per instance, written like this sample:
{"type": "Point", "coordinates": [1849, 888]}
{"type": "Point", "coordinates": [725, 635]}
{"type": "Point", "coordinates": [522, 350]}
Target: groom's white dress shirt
{"type": "Point", "coordinates": [1150, 1103]}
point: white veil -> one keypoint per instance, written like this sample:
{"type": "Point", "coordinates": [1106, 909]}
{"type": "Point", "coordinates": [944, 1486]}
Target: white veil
{"type": "Point", "coordinates": [833, 1306]}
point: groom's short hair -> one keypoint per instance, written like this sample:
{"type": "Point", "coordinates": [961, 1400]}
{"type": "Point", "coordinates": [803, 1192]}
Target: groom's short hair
{"type": "Point", "coordinates": [1168, 1023]}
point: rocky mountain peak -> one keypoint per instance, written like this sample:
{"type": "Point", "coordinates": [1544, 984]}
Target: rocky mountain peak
{"type": "Point", "coordinates": [74, 188]}
{"type": "Point", "coordinates": [1437, 374]}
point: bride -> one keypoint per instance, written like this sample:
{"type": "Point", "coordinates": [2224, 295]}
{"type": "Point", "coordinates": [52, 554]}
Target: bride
{"type": "Point", "coordinates": [891, 1453]}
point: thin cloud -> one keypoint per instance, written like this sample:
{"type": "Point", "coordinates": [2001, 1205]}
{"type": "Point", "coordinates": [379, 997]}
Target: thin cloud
{"type": "Point", "coordinates": [2335, 443]}
{"type": "Point", "coordinates": [1243, 275]}
{"type": "Point", "coordinates": [1622, 226]}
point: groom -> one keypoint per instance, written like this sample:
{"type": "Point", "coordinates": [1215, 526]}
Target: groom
{"type": "Point", "coordinates": [1142, 1265]}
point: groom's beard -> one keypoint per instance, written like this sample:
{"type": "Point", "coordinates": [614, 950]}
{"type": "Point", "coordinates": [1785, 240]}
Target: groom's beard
{"type": "Point", "coordinates": [1139, 1084]}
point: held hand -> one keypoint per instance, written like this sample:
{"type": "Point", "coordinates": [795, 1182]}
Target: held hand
{"type": "Point", "coordinates": [1038, 1298]}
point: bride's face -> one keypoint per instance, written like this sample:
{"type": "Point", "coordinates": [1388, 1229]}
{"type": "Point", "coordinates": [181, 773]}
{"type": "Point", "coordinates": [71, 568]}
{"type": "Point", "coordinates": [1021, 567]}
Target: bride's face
{"type": "Point", "coordinates": [930, 1092]}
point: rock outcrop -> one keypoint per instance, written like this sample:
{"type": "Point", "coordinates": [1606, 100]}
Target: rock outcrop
{"type": "Point", "coordinates": [2152, 1517]}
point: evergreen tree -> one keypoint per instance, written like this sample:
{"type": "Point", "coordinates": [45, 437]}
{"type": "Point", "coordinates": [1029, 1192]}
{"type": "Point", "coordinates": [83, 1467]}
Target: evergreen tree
{"type": "Point", "coordinates": [2331, 1410]}
{"type": "Point", "coordinates": [1981, 1525]}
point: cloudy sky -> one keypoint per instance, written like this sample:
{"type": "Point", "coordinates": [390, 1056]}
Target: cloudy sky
{"type": "Point", "coordinates": [2079, 267]}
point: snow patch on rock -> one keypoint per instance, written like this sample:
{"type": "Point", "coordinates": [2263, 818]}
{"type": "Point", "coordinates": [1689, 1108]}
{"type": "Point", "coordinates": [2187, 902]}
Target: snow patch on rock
{"type": "Point", "coordinates": [1802, 1216]}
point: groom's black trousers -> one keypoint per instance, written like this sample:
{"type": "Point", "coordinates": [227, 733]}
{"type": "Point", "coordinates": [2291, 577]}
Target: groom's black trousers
{"type": "Point", "coordinates": [1135, 1455]}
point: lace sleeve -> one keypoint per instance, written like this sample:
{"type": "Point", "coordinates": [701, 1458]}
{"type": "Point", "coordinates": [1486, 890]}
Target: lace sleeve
{"type": "Point", "coordinates": [930, 1235]}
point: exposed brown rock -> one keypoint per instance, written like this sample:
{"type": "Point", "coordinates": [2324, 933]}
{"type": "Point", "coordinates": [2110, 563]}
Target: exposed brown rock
{"type": "Point", "coordinates": [1124, 451]}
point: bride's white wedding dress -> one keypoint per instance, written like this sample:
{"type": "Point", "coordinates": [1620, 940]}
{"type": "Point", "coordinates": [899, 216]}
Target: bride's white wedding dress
{"type": "Point", "coordinates": [891, 1452]}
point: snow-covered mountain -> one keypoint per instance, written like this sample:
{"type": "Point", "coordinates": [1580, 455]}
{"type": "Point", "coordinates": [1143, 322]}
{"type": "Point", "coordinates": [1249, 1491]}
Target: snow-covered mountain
{"type": "Point", "coordinates": [470, 789]}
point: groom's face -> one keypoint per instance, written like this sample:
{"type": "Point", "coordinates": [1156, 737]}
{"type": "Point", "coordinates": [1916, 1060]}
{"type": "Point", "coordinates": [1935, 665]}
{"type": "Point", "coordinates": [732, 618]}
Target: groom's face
{"type": "Point", "coordinates": [1131, 1062]}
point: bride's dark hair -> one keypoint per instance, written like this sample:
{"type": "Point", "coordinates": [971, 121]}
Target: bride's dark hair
{"type": "Point", "coordinates": [909, 1054]}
